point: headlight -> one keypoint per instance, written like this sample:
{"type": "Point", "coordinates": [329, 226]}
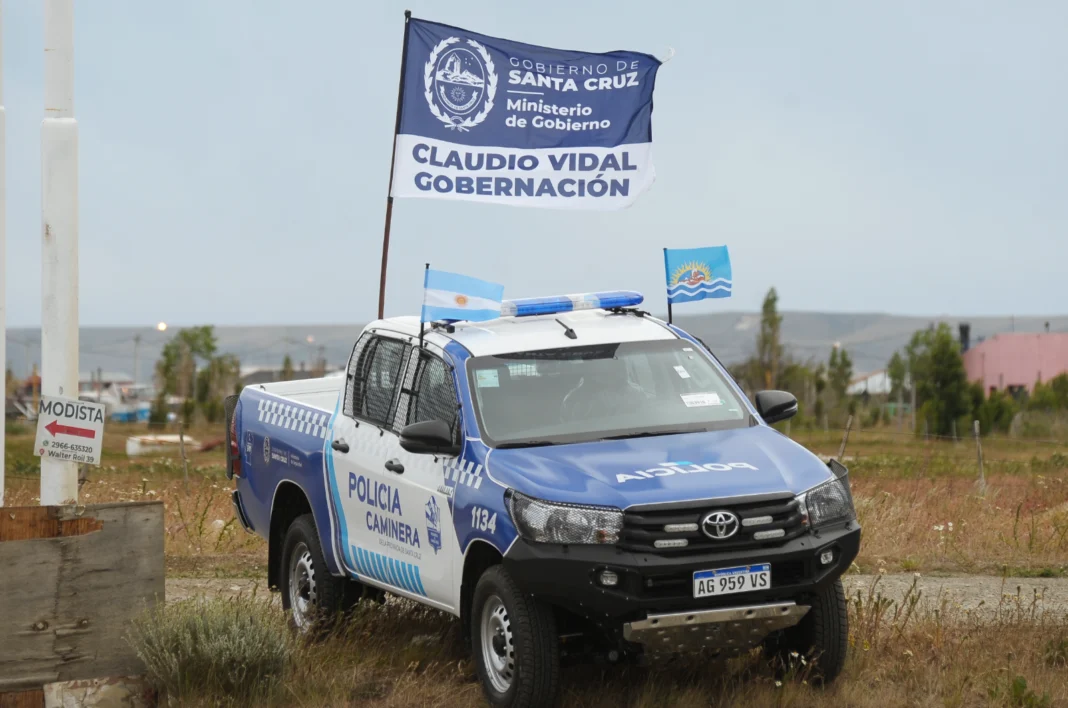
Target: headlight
{"type": "Point", "coordinates": [829, 502]}
{"type": "Point", "coordinates": [549, 522]}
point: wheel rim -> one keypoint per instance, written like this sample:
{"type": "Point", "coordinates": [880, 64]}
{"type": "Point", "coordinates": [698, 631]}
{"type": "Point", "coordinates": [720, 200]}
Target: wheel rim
{"type": "Point", "coordinates": [302, 595]}
{"type": "Point", "coordinates": [498, 650]}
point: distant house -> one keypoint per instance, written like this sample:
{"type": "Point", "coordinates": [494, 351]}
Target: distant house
{"type": "Point", "coordinates": [1015, 361]}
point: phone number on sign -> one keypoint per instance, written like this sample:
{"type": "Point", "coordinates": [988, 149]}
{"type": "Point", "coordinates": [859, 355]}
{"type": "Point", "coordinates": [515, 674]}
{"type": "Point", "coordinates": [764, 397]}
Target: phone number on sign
{"type": "Point", "coordinates": [69, 446]}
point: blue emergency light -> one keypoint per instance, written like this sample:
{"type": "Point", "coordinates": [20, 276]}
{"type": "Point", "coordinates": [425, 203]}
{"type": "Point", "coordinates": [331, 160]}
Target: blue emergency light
{"type": "Point", "coordinates": [528, 306]}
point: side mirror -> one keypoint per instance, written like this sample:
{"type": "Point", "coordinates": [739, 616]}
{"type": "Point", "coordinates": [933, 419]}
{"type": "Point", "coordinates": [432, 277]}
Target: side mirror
{"type": "Point", "coordinates": [776, 406]}
{"type": "Point", "coordinates": [429, 437]}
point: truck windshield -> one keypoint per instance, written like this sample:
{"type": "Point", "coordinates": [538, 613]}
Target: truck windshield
{"type": "Point", "coordinates": [598, 392]}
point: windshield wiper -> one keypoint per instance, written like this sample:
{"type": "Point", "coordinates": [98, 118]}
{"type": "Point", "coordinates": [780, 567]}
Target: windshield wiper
{"type": "Point", "coordinates": [649, 434]}
{"type": "Point", "coordinates": [524, 443]}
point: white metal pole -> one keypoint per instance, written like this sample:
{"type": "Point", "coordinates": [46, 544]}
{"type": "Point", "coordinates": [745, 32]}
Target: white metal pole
{"type": "Point", "coordinates": [59, 235]}
{"type": "Point", "coordinates": [3, 252]}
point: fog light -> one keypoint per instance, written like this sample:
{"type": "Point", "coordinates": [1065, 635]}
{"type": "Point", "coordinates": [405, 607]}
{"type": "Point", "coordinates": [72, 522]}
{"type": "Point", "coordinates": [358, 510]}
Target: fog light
{"type": "Point", "coordinates": [609, 579]}
{"type": "Point", "coordinates": [827, 557]}
{"type": "Point", "coordinates": [671, 543]}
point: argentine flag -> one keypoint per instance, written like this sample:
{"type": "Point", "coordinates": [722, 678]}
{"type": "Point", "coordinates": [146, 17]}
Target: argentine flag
{"type": "Point", "coordinates": [696, 273]}
{"type": "Point", "coordinates": [448, 296]}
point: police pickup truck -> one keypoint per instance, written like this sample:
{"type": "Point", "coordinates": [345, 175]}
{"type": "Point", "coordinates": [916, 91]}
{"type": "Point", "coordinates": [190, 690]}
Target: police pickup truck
{"type": "Point", "coordinates": [575, 478]}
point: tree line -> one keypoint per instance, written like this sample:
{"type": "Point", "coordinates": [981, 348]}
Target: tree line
{"type": "Point", "coordinates": [929, 372]}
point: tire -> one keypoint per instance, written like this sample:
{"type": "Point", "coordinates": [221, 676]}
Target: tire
{"type": "Point", "coordinates": [521, 669]}
{"type": "Point", "coordinates": [314, 599]}
{"type": "Point", "coordinates": [822, 636]}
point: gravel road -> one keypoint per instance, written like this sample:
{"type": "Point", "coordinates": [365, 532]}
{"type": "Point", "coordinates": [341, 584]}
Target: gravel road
{"type": "Point", "coordinates": [982, 594]}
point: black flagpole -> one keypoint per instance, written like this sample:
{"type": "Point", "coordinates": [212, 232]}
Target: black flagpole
{"type": "Point", "coordinates": [392, 164]}
{"type": "Point", "coordinates": [669, 290]}
{"type": "Point", "coordinates": [421, 323]}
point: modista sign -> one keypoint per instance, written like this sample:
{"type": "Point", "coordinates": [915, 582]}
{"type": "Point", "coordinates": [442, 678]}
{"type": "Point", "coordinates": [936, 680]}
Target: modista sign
{"type": "Point", "coordinates": [488, 119]}
{"type": "Point", "coordinates": [70, 430]}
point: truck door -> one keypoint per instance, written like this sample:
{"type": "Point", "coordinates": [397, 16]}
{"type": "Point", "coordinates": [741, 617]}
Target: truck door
{"type": "Point", "coordinates": [383, 528]}
{"type": "Point", "coordinates": [428, 394]}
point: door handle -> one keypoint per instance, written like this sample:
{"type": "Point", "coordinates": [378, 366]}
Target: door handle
{"type": "Point", "coordinates": [340, 445]}
{"type": "Point", "coordinates": [395, 465]}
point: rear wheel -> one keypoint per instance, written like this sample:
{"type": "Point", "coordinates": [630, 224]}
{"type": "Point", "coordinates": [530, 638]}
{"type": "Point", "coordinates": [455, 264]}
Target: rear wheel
{"type": "Point", "coordinates": [314, 599]}
{"type": "Point", "coordinates": [515, 645]}
{"type": "Point", "coordinates": [822, 636]}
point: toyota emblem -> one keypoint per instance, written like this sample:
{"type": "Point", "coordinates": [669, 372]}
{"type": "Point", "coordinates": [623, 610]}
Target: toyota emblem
{"type": "Point", "coordinates": [719, 525]}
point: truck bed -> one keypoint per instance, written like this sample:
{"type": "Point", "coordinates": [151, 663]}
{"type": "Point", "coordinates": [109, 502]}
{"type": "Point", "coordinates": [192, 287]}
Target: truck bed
{"type": "Point", "coordinates": [320, 393]}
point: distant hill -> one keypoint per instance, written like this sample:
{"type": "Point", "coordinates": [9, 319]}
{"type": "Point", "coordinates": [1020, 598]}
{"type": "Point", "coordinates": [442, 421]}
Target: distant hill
{"type": "Point", "coordinates": [870, 339]}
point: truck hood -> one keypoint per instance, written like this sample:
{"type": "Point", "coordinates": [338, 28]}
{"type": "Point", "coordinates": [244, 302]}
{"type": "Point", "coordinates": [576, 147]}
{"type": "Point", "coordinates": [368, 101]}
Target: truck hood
{"type": "Point", "coordinates": [667, 468]}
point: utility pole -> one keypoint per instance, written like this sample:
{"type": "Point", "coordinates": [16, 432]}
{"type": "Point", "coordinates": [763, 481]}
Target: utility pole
{"type": "Point", "coordinates": [59, 235]}
{"type": "Point", "coordinates": [3, 252]}
{"type": "Point", "coordinates": [137, 358]}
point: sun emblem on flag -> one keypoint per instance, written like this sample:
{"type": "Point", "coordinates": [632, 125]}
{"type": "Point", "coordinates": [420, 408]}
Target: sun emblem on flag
{"type": "Point", "coordinates": [461, 300]}
{"type": "Point", "coordinates": [692, 273]}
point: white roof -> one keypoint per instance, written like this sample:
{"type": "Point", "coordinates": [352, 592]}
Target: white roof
{"type": "Point", "coordinates": [518, 334]}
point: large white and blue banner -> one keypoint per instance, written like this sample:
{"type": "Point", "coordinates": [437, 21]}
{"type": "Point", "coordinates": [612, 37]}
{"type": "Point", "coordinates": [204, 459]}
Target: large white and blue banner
{"type": "Point", "coordinates": [491, 120]}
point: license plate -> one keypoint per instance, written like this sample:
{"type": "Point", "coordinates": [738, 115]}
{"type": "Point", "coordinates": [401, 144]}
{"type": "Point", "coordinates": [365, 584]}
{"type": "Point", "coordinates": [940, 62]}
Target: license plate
{"type": "Point", "coordinates": [725, 581]}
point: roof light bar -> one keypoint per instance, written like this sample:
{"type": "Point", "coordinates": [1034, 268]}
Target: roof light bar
{"type": "Point", "coordinates": [529, 306]}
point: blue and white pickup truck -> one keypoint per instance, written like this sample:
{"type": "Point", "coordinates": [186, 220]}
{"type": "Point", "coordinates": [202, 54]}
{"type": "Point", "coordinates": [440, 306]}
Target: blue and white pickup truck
{"type": "Point", "coordinates": [575, 478]}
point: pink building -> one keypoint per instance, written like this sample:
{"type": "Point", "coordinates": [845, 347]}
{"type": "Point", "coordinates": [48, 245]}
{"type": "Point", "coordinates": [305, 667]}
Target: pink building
{"type": "Point", "coordinates": [1016, 360]}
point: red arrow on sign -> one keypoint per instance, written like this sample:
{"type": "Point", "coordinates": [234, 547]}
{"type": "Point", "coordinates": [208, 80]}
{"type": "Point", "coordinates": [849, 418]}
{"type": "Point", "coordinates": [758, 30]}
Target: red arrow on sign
{"type": "Point", "coordinates": [54, 427]}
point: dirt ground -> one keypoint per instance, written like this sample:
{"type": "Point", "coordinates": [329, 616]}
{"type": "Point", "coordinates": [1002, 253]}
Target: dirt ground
{"type": "Point", "coordinates": [982, 594]}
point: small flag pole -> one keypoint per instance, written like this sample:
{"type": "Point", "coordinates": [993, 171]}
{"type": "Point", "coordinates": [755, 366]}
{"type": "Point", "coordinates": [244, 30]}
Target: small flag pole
{"type": "Point", "coordinates": [426, 272]}
{"type": "Point", "coordinates": [666, 276]}
{"type": "Point", "coordinates": [392, 164]}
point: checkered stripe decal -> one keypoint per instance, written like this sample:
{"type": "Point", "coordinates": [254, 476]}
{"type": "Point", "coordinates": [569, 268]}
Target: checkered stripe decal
{"type": "Point", "coordinates": [289, 417]}
{"type": "Point", "coordinates": [467, 473]}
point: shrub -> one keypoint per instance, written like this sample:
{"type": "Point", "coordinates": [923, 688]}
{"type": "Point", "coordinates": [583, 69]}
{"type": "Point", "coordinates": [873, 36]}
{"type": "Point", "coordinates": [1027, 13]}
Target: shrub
{"type": "Point", "coordinates": [238, 649]}
{"type": "Point", "coordinates": [12, 427]}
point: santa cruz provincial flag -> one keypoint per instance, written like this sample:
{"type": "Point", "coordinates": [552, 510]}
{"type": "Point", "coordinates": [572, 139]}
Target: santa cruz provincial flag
{"type": "Point", "coordinates": [448, 296]}
{"type": "Point", "coordinates": [696, 273]}
{"type": "Point", "coordinates": [491, 120]}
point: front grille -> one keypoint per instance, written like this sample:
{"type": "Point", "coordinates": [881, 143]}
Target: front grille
{"type": "Point", "coordinates": [644, 527]}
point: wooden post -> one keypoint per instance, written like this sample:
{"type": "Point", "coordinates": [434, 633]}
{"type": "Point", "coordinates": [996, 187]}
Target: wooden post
{"type": "Point", "coordinates": [901, 408]}
{"type": "Point", "coordinates": [913, 406]}
{"type": "Point", "coordinates": [845, 438]}
{"type": "Point", "coordinates": [954, 431]}
{"type": "Point", "coordinates": [74, 577]}
{"type": "Point", "coordinates": [185, 461]}
{"type": "Point", "coordinates": [979, 454]}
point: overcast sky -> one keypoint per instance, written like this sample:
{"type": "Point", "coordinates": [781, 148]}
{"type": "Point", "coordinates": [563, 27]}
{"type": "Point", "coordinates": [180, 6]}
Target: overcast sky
{"type": "Point", "coordinates": [896, 157]}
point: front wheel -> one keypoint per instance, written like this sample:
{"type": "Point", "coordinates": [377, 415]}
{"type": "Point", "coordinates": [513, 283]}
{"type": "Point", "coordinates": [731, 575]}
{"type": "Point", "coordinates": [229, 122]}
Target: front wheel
{"type": "Point", "coordinates": [313, 598]}
{"type": "Point", "coordinates": [822, 635]}
{"type": "Point", "coordinates": [515, 643]}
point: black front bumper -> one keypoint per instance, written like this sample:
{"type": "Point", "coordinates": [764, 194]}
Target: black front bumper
{"type": "Point", "coordinates": [569, 576]}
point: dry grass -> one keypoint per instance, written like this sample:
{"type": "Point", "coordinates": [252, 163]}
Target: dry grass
{"type": "Point", "coordinates": [908, 651]}
{"type": "Point", "coordinates": [1019, 527]}
{"type": "Point", "coordinates": [920, 508]}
